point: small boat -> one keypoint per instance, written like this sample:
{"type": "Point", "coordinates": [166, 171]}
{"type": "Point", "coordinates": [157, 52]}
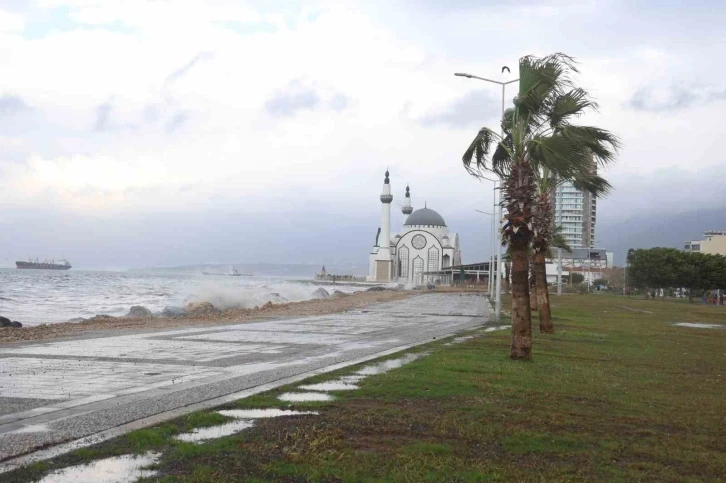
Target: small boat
{"type": "Point", "coordinates": [46, 265]}
{"type": "Point", "coordinates": [232, 273]}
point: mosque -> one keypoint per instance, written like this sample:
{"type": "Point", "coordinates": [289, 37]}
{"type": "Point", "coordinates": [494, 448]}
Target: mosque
{"type": "Point", "coordinates": [423, 245]}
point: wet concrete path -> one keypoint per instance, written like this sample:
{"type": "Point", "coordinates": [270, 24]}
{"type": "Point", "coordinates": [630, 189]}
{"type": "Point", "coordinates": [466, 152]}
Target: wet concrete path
{"type": "Point", "coordinates": [54, 392]}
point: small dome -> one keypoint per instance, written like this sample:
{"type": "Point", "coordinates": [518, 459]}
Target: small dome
{"type": "Point", "coordinates": [425, 216]}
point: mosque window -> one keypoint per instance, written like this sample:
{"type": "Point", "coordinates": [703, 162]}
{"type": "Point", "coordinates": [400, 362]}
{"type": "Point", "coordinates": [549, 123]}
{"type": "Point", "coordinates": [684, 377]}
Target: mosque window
{"type": "Point", "coordinates": [447, 261]}
{"type": "Point", "coordinates": [433, 259]}
{"type": "Point", "coordinates": [403, 262]}
{"type": "Point", "coordinates": [418, 264]}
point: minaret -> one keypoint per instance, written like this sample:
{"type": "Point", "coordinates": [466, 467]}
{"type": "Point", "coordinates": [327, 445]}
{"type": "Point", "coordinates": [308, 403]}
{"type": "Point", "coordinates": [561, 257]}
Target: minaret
{"type": "Point", "coordinates": [383, 258]}
{"type": "Point", "coordinates": [407, 209]}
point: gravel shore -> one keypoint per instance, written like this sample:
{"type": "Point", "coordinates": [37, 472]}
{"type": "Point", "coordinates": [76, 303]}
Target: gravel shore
{"type": "Point", "coordinates": [294, 309]}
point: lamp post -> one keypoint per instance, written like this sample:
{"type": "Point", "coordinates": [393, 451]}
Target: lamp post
{"type": "Point", "coordinates": [490, 288]}
{"type": "Point", "coordinates": [498, 306]}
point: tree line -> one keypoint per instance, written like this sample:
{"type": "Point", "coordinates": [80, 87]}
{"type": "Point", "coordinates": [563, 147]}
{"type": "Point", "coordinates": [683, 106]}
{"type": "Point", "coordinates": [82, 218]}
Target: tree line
{"type": "Point", "coordinates": [671, 269]}
{"type": "Point", "coordinates": [540, 147]}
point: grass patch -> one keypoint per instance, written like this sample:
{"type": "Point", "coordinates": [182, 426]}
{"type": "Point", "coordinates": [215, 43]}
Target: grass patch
{"type": "Point", "coordinates": [613, 395]}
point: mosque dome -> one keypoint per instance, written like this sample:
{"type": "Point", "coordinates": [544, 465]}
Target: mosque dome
{"type": "Point", "coordinates": [425, 216]}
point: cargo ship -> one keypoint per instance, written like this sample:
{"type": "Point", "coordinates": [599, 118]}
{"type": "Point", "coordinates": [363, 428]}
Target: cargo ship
{"type": "Point", "coordinates": [46, 265]}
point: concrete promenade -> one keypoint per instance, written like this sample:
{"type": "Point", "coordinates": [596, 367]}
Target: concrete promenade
{"type": "Point", "coordinates": [59, 391]}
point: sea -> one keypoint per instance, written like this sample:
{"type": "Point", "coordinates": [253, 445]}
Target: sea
{"type": "Point", "coordinates": [35, 297]}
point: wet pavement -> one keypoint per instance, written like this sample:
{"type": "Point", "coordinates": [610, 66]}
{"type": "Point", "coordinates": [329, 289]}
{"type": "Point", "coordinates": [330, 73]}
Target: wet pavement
{"type": "Point", "coordinates": [65, 390]}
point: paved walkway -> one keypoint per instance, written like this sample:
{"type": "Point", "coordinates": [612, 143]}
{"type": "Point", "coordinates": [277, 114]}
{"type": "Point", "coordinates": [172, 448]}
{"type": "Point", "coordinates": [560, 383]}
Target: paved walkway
{"type": "Point", "coordinates": [60, 391]}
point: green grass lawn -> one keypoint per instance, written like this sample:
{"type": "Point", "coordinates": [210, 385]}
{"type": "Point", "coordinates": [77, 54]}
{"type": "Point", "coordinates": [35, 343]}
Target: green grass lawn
{"type": "Point", "coordinates": [614, 395]}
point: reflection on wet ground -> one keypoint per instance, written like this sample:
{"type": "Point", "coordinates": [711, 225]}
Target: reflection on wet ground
{"type": "Point", "coordinates": [700, 325]}
{"type": "Point", "coordinates": [385, 366]}
{"type": "Point", "coordinates": [262, 413]}
{"type": "Point", "coordinates": [201, 435]}
{"type": "Point", "coordinates": [305, 396]}
{"type": "Point", "coordinates": [120, 469]}
{"type": "Point", "coordinates": [330, 386]}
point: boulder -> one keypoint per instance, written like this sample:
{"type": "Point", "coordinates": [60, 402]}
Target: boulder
{"type": "Point", "coordinates": [200, 308]}
{"type": "Point", "coordinates": [277, 298]}
{"type": "Point", "coordinates": [337, 294]}
{"type": "Point", "coordinates": [5, 322]}
{"type": "Point", "coordinates": [172, 311]}
{"type": "Point", "coordinates": [378, 288]}
{"type": "Point", "coordinates": [16, 324]}
{"type": "Point", "coordinates": [139, 311]}
{"type": "Point", "coordinates": [320, 293]}
{"type": "Point", "coordinates": [101, 318]}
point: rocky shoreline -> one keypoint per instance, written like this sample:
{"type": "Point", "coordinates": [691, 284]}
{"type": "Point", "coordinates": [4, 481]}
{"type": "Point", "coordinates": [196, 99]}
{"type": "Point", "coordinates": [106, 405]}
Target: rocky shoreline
{"type": "Point", "coordinates": [199, 313]}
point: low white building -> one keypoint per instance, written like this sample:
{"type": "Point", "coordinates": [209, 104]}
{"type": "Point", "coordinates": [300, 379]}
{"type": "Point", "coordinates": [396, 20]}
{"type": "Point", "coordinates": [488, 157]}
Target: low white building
{"type": "Point", "coordinates": [424, 243]}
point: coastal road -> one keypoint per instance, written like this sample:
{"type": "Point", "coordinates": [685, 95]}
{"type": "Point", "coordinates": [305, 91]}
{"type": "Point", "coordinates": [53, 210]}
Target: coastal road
{"type": "Point", "coordinates": [55, 392]}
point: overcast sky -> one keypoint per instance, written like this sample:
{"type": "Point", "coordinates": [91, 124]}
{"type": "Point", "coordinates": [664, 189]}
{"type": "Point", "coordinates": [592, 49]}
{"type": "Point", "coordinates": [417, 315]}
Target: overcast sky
{"type": "Point", "coordinates": [142, 133]}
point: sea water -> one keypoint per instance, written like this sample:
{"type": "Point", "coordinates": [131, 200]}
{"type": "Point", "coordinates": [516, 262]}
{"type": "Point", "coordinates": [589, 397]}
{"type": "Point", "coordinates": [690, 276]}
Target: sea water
{"type": "Point", "coordinates": [48, 296]}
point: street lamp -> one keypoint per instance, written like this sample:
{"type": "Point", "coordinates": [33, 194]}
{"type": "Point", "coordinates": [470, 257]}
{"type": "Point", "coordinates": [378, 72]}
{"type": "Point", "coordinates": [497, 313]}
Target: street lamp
{"type": "Point", "coordinates": [490, 287]}
{"type": "Point", "coordinates": [589, 265]}
{"type": "Point", "coordinates": [498, 307]}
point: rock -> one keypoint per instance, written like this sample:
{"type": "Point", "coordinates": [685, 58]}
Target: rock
{"type": "Point", "coordinates": [277, 298]}
{"type": "Point", "coordinates": [378, 288]}
{"type": "Point", "coordinates": [16, 323]}
{"type": "Point", "coordinates": [139, 311]}
{"type": "Point", "coordinates": [172, 311]}
{"type": "Point", "coordinates": [320, 293]}
{"type": "Point", "coordinates": [200, 308]}
{"type": "Point", "coordinates": [5, 322]}
{"type": "Point", "coordinates": [337, 294]}
{"type": "Point", "coordinates": [101, 318]}
{"type": "Point", "coordinates": [77, 319]}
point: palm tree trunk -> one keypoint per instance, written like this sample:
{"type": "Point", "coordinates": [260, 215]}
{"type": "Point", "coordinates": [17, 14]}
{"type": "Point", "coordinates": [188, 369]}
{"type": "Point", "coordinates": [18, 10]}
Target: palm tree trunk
{"type": "Point", "coordinates": [543, 295]}
{"type": "Point", "coordinates": [532, 285]}
{"type": "Point", "coordinates": [521, 315]}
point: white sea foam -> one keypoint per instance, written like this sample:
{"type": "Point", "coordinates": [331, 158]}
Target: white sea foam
{"type": "Point", "coordinates": [38, 296]}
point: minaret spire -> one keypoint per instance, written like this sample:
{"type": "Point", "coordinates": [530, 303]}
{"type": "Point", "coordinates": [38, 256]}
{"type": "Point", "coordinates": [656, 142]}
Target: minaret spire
{"type": "Point", "coordinates": [383, 258]}
{"type": "Point", "coordinates": [407, 208]}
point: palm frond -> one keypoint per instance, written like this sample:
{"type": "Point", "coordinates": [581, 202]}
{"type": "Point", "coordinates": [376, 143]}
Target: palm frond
{"type": "Point", "coordinates": [570, 104]}
{"type": "Point", "coordinates": [476, 157]}
{"type": "Point", "coordinates": [603, 144]}
{"type": "Point", "coordinates": [597, 185]}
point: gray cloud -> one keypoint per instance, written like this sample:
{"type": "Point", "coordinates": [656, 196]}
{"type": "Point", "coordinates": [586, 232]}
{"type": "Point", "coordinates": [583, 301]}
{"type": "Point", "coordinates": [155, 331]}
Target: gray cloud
{"type": "Point", "coordinates": [474, 108]}
{"type": "Point", "coordinates": [291, 100]}
{"type": "Point", "coordinates": [103, 116]}
{"type": "Point", "coordinates": [296, 97]}
{"type": "Point", "coordinates": [177, 121]}
{"type": "Point", "coordinates": [11, 104]}
{"type": "Point", "coordinates": [673, 98]}
{"type": "Point", "coordinates": [183, 70]}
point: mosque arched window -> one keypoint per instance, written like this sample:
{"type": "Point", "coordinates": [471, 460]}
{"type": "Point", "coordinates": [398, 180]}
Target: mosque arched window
{"type": "Point", "coordinates": [447, 261]}
{"type": "Point", "coordinates": [403, 262]}
{"type": "Point", "coordinates": [418, 265]}
{"type": "Point", "coordinates": [433, 264]}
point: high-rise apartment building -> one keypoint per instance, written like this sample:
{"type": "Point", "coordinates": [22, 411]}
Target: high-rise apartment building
{"type": "Point", "coordinates": [575, 212]}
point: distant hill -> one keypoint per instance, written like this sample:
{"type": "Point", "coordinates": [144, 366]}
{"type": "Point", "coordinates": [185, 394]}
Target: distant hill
{"type": "Point", "coordinates": [266, 269]}
{"type": "Point", "coordinates": [663, 230]}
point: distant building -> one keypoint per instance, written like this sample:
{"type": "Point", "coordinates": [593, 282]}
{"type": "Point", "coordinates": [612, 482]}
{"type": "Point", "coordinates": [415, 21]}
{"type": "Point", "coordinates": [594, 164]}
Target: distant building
{"type": "Point", "coordinates": [713, 243]}
{"type": "Point", "coordinates": [424, 244]}
{"type": "Point", "coordinates": [575, 212]}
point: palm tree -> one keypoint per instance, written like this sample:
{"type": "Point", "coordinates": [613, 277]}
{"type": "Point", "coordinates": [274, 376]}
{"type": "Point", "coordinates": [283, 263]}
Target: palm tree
{"type": "Point", "coordinates": [536, 135]}
{"type": "Point", "coordinates": [539, 257]}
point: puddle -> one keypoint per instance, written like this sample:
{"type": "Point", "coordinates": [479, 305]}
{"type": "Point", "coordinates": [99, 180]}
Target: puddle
{"type": "Point", "coordinates": [699, 325]}
{"type": "Point", "coordinates": [126, 468]}
{"type": "Point", "coordinates": [330, 386]}
{"type": "Point", "coordinates": [351, 379]}
{"type": "Point", "coordinates": [262, 413]}
{"type": "Point", "coordinates": [386, 366]}
{"type": "Point", "coordinates": [499, 327]}
{"type": "Point", "coordinates": [305, 396]}
{"type": "Point", "coordinates": [201, 435]}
